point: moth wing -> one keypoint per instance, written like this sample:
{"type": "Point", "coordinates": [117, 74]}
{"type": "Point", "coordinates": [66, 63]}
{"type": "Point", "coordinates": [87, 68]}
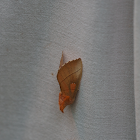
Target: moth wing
{"type": "Point", "coordinates": [70, 73]}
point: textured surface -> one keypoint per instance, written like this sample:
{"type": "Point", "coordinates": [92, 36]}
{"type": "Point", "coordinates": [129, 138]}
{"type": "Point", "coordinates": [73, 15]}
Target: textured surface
{"type": "Point", "coordinates": [33, 35]}
{"type": "Point", "coordinates": [137, 64]}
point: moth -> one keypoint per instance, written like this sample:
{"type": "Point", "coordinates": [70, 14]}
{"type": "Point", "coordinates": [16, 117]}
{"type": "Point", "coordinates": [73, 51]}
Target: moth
{"type": "Point", "coordinates": [69, 77]}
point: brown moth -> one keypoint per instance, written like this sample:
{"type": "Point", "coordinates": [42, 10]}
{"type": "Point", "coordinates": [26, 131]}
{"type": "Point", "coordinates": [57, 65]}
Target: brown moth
{"type": "Point", "coordinates": [69, 77]}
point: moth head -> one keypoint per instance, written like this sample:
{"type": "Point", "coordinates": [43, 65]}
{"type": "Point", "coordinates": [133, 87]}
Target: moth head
{"type": "Point", "coordinates": [64, 101]}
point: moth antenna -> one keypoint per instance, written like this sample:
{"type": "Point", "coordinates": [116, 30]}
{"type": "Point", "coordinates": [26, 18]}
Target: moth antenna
{"type": "Point", "coordinates": [62, 60]}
